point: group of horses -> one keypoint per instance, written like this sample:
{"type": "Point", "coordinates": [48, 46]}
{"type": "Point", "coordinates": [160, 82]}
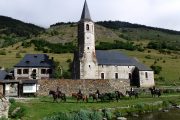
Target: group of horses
{"type": "Point", "coordinates": [97, 96]}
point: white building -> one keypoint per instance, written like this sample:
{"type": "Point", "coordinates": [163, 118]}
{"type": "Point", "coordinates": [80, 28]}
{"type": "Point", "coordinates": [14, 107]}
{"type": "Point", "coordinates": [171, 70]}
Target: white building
{"type": "Point", "coordinates": [34, 66]}
{"type": "Point", "coordinates": [100, 64]}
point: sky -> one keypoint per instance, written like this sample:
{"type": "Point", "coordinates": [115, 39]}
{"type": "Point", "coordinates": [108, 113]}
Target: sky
{"type": "Point", "coordinates": [156, 13]}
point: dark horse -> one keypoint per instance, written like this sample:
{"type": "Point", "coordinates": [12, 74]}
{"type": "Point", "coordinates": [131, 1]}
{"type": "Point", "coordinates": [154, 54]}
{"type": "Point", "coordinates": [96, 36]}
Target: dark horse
{"type": "Point", "coordinates": [94, 96]}
{"type": "Point", "coordinates": [57, 95]}
{"type": "Point", "coordinates": [132, 93]}
{"type": "Point", "coordinates": [80, 97]}
{"type": "Point", "coordinates": [118, 95]}
{"type": "Point", "coordinates": [155, 92]}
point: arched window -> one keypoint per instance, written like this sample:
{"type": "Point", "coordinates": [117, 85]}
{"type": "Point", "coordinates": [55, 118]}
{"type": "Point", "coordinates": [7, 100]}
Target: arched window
{"type": "Point", "coordinates": [87, 27]}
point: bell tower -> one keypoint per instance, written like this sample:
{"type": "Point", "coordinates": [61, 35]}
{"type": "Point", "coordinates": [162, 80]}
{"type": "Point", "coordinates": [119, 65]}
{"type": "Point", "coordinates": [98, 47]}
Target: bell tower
{"type": "Point", "coordinates": [86, 45]}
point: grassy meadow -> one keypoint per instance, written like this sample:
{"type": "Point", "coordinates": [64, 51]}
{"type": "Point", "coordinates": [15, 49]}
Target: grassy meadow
{"type": "Point", "coordinates": [170, 63]}
{"type": "Point", "coordinates": [38, 108]}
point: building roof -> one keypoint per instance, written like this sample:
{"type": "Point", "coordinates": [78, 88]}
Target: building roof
{"type": "Point", "coordinates": [85, 13]}
{"type": "Point", "coordinates": [118, 58]}
{"type": "Point", "coordinates": [3, 74]}
{"type": "Point", "coordinates": [35, 60]}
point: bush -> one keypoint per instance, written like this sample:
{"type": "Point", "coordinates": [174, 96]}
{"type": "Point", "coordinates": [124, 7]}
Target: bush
{"type": "Point", "coordinates": [16, 111]}
{"type": "Point", "coordinates": [156, 69]}
{"type": "Point", "coordinates": [18, 55]}
{"type": "Point", "coordinates": [12, 100]}
{"type": "Point", "coordinates": [2, 52]}
{"type": "Point", "coordinates": [81, 115]}
{"type": "Point", "coordinates": [107, 114]}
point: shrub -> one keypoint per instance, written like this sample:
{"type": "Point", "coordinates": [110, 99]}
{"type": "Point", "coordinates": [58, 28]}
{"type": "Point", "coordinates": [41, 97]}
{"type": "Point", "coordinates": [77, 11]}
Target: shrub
{"type": "Point", "coordinates": [148, 57]}
{"type": "Point", "coordinates": [16, 111]}
{"type": "Point", "coordinates": [107, 114]}
{"type": "Point", "coordinates": [2, 52]}
{"type": "Point", "coordinates": [12, 100]}
{"type": "Point", "coordinates": [156, 69]}
{"type": "Point", "coordinates": [18, 55]}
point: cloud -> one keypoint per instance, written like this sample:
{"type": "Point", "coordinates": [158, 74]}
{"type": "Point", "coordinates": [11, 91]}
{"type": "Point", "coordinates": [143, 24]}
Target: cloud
{"type": "Point", "coordinates": [158, 13]}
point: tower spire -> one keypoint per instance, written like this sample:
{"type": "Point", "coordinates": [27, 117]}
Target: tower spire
{"type": "Point", "coordinates": [85, 13]}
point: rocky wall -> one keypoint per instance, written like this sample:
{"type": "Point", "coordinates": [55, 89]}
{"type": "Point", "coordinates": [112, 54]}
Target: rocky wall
{"type": "Point", "coordinates": [87, 86]}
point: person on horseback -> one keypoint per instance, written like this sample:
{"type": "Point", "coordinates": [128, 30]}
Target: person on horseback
{"type": "Point", "coordinates": [97, 93]}
{"type": "Point", "coordinates": [79, 92]}
{"type": "Point", "coordinates": [58, 92]}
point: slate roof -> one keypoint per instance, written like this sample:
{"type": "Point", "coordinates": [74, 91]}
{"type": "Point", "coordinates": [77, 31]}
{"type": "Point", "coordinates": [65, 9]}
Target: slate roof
{"type": "Point", "coordinates": [85, 13]}
{"type": "Point", "coordinates": [118, 58]}
{"type": "Point", "coordinates": [35, 60]}
{"type": "Point", "coordinates": [3, 74]}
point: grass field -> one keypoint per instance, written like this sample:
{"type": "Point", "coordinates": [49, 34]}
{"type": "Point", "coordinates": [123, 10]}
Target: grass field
{"type": "Point", "coordinates": [38, 108]}
{"type": "Point", "coordinates": [170, 63]}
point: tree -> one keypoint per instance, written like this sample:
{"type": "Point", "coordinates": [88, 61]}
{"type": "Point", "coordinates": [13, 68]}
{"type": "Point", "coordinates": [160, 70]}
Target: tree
{"type": "Point", "coordinates": [156, 69]}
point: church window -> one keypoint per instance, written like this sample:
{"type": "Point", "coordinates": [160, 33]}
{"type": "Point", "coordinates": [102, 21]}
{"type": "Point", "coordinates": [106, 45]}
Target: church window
{"type": "Point", "coordinates": [116, 75]}
{"type": "Point", "coordinates": [130, 76]}
{"type": "Point", "coordinates": [146, 74]}
{"type": "Point", "coordinates": [102, 75]}
{"type": "Point", "coordinates": [87, 27]}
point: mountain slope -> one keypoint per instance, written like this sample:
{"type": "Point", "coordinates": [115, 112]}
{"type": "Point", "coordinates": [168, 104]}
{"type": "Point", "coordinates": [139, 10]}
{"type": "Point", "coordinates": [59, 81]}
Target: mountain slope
{"type": "Point", "coordinates": [12, 31]}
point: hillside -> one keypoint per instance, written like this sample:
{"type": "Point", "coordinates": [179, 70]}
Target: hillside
{"type": "Point", "coordinates": [152, 46]}
{"type": "Point", "coordinates": [12, 31]}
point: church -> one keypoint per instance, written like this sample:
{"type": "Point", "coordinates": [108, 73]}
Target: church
{"type": "Point", "coordinates": [90, 63]}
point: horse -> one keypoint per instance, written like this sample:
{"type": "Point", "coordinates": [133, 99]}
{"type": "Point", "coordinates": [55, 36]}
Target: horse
{"type": "Point", "coordinates": [80, 97]}
{"type": "Point", "coordinates": [94, 96]}
{"type": "Point", "coordinates": [57, 95]}
{"type": "Point", "coordinates": [119, 95]}
{"type": "Point", "coordinates": [132, 93]}
{"type": "Point", "coordinates": [2, 96]}
{"type": "Point", "coordinates": [155, 92]}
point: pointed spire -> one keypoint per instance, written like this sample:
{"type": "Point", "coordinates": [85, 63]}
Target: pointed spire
{"type": "Point", "coordinates": [85, 13]}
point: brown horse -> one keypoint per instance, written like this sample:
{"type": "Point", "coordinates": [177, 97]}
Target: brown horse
{"type": "Point", "coordinates": [80, 97]}
{"type": "Point", "coordinates": [2, 96]}
{"type": "Point", "coordinates": [57, 95]}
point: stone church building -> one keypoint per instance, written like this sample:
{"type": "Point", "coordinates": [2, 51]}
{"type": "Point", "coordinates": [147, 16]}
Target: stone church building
{"type": "Point", "coordinates": [89, 63]}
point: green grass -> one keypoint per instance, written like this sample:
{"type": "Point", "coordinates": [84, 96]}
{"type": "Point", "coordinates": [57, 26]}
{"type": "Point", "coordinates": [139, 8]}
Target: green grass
{"type": "Point", "coordinates": [39, 108]}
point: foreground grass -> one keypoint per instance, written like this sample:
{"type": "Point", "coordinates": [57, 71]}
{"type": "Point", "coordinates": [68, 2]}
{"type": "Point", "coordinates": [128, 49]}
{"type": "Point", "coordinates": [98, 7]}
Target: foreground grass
{"type": "Point", "coordinates": [39, 108]}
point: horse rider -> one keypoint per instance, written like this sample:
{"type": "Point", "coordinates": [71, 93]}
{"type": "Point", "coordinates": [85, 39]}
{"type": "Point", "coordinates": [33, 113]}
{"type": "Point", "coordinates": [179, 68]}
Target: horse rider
{"type": "Point", "coordinates": [79, 92]}
{"type": "Point", "coordinates": [58, 92]}
{"type": "Point", "coordinates": [97, 93]}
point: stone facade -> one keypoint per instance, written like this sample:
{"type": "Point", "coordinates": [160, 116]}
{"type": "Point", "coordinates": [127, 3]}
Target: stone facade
{"type": "Point", "coordinates": [87, 86]}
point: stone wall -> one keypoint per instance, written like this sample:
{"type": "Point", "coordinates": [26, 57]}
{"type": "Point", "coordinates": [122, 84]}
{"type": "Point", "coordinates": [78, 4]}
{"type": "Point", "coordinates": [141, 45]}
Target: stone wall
{"type": "Point", "coordinates": [87, 86]}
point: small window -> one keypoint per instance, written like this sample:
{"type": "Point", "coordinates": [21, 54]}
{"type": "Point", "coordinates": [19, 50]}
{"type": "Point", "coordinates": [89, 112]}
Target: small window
{"type": "Point", "coordinates": [25, 71]}
{"type": "Point", "coordinates": [102, 75]}
{"type": "Point", "coordinates": [43, 71]}
{"type": "Point", "coordinates": [116, 75]}
{"type": "Point", "coordinates": [146, 74]}
{"type": "Point", "coordinates": [102, 66]}
{"type": "Point", "coordinates": [89, 66]}
{"type": "Point", "coordinates": [19, 71]}
{"type": "Point", "coordinates": [87, 27]}
{"type": "Point", "coordinates": [130, 76]}
{"type": "Point", "coordinates": [88, 48]}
